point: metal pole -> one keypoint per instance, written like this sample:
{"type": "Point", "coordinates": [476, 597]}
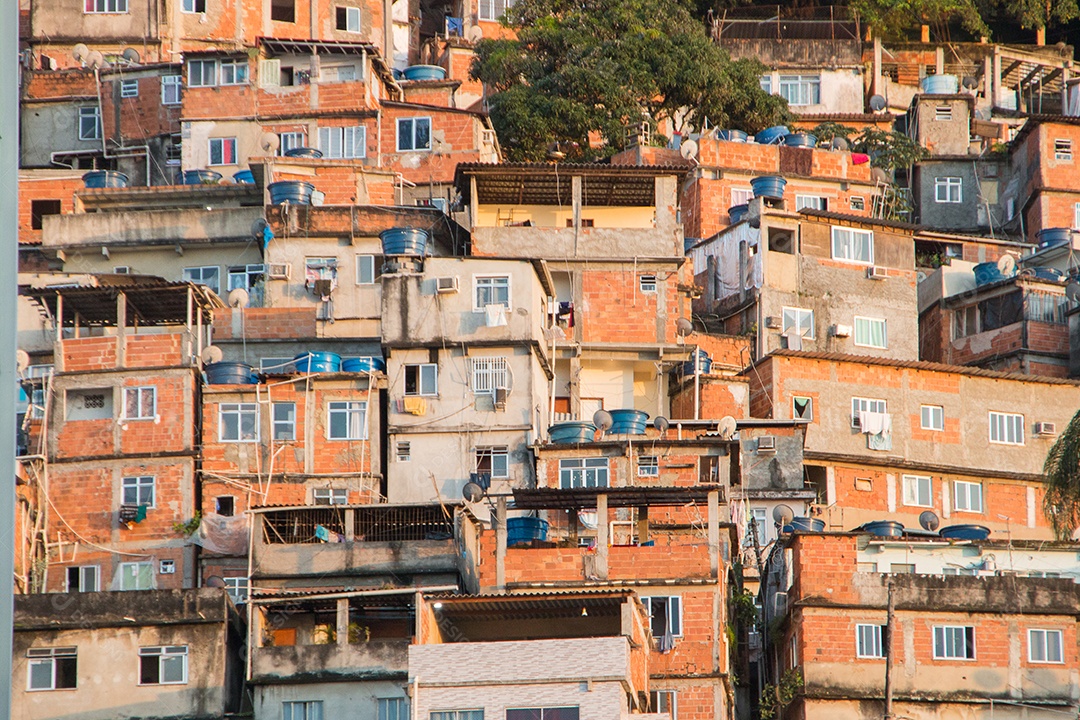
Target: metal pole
{"type": "Point", "coordinates": [889, 652]}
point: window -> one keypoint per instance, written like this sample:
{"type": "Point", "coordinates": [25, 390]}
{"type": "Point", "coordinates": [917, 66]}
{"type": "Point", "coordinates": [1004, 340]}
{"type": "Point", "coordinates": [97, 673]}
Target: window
{"type": "Point", "coordinates": [234, 72]}
{"type": "Point", "coordinates": [202, 73]}
{"type": "Point", "coordinates": [106, 6]}
{"type": "Point", "coordinates": [493, 460]}
{"type": "Point", "coordinates": [555, 713]}
{"type": "Point", "coordinates": [163, 665]}
{"type": "Point", "coordinates": [647, 283]}
{"type": "Point", "coordinates": [663, 701]}
{"type": "Point", "coordinates": [1063, 150]}
{"type": "Point", "coordinates": [222, 151]}
{"type": "Point", "coordinates": [89, 123]}
{"type": "Point", "coordinates": [494, 9]}
{"type": "Point", "coordinates": [868, 641]}
{"type": "Point", "coordinates": [812, 202]}
{"type": "Point", "coordinates": [587, 472]}
{"type": "Point", "coordinates": [861, 405]}
{"type": "Point", "coordinates": [1045, 646]}
{"type": "Point", "coordinates": [414, 133]}
{"type": "Point", "coordinates": [208, 275]}
{"type": "Point", "coordinates": [348, 19]}
{"type": "Point", "coordinates": [129, 88]}
{"type": "Point", "coordinates": [404, 451]}
{"type": "Point", "coordinates": [84, 578]}
{"type": "Point", "coordinates": [959, 571]}
{"type": "Point", "coordinates": [225, 505]}
{"type": "Point", "coordinates": [665, 615]}
{"type": "Point", "coordinates": [857, 202]}
{"type": "Point", "coordinates": [802, 408]}
{"type": "Point", "coordinates": [948, 190]}
{"type": "Point", "coordinates": [193, 6]}
{"type": "Point", "coordinates": [238, 422]}
{"type": "Point", "coordinates": [238, 588]}
{"type": "Point", "coordinates": [1076, 216]}
{"type": "Point", "coordinates": [392, 708]}
{"type": "Point", "coordinates": [954, 642]}
{"type": "Point", "coordinates": [290, 141]}
{"type": "Point", "coordinates": [284, 421]}
{"type": "Point", "coordinates": [765, 81]}
{"type": "Point", "coordinates": [932, 417]}
{"type": "Point", "coordinates": [648, 466]}
{"type": "Point", "coordinates": [967, 496]}
{"type": "Point", "coordinates": [741, 196]}
{"type": "Point", "coordinates": [40, 209]}
{"type": "Point", "coordinates": [330, 496]}
{"type": "Point", "coordinates": [918, 490]}
{"type": "Point", "coordinates": [870, 332]}
{"type": "Point", "coordinates": [800, 89]}
{"type": "Point", "coordinates": [489, 374]}
{"type": "Point", "coordinates": [138, 490]}
{"type": "Point", "coordinates": [491, 290]}
{"type": "Point", "coordinates": [140, 403]}
{"type": "Point", "coordinates": [348, 420]}
{"type": "Point", "coordinates": [136, 576]}
{"type": "Point", "coordinates": [943, 113]}
{"type": "Point", "coordinates": [799, 322]}
{"type": "Point", "coordinates": [853, 245]}
{"type": "Point", "coordinates": [343, 142]}
{"type": "Point", "coordinates": [249, 278]}
{"type": "Point", "coordinates": [1006, 428]}
{"type": "Point", "coordinates": [284, 11]}
{"type": "Point", "coordinates": [51, 668]}
{"type": "Point", "coordinates": [365, 270]}
{"type": "Point", "coordinates": [422, 379]}
{"type": "Point", "coordinates": [457, 715]}
{"type": "Point", "coordinates": [902, 568]}
{"type": "Point", "coordinates": [170, 89]}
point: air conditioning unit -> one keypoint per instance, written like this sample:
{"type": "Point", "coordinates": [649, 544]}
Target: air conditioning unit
{"type": "Point", "coordinates": [1045, 428]}
{"type": "Point", "coordinates": [840, 331]}
{"type": "Point", "coordinates": [121, 270]}
{"type": "Point", "coordinates": [167, 567]}
{"type": "Point", "coordinates": [876, 272]}
{"type": "Point", "coordinates": [446, 285]}
{"type": "Point", "coordinates": [772, 322]}
{"type": "Point", "coordinates": [766, 444]}
{"type": "Point", "coordinates": [279, 271]}
{"type": "Point", "coordinates": [500, 398]}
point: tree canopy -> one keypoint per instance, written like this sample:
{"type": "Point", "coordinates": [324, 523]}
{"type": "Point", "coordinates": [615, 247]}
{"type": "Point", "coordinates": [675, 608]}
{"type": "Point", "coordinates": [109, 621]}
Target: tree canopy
{"type": "Point", "coordinates": [894, 19]}
{"type": "Point", "coordinates": [581, 71]}
{"type": "Point", "coordinates": [1061, 504]}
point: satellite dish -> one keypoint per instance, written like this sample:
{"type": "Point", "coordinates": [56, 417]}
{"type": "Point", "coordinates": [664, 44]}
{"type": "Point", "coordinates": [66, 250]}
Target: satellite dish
{"type": "Point", "coordinates": [970, 83]}
{"type": "Point", "coordinates": [211, 354]}
{"type": "Point", "coordinates": [1072, 291]}
{"type": "Point", "coordinates": [688, 149]}
{"type": "Point", "coordinates": [475, 34]}
{"type": "Point", "coordinates": [94, 60]}
{"type": "Point", "coordinates": [1007, 265]}
{"type": "Point", "coordinates": [269, 142]}
{"type": "Point", "coordinates": [661, 423]}
{"type": "Point", "coordinates": [588, 518]}
{"type": "Point", "coordinates": [131, 55]}
{"type": "Point", "coordinates": [79, 52]}
{"type": "Point", "coordinates": [239, 298]}
{"type": "Point", "coordinates": [603, 420]}
{"type": "Point", "coordinates": [782, 514]}
{"type": "Point", "coordinates": [472, 492]}
{"type": "Point", "coordinates": [684, 327]}
{"type": "Point", "coordinates": [727, 427]}
{"type": "Point", "coordinates": [929, 520]}
{"type": "Point", "coordinates": [839, 143]}
{"type": "Point", "coordinates": [877, 103]}
{"type": "Point", "coordinates": [318, 198]}
{"type": "Point", "coordinates": [258, 227]}
{"type": "Point", "coordinates": [920, 276]}
{"type": "Point", "coordinates": [214, 581]}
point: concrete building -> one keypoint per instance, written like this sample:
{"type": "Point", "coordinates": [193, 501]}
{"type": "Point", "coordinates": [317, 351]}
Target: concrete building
{"type": "Point", "coordinates": [1043, 190]}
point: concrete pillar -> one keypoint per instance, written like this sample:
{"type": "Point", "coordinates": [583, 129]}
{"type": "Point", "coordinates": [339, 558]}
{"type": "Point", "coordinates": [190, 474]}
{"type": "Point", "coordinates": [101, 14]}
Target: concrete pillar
{"type": "Point", "coordinates": [1040, 36]}
{"type": "Point", "coordinates": [939, 61]}
{"type": "Point", "coordinates": [500, 544]}
{"type": "Point", "coordinates": [996, 76]}
{"type": "Point", "coordinates": [877, 84]}
{"type": "Point", "coordinates": [925, 34]}
{"type": "Point", "coordinates": [714, 533]}
{"type": "Point", "coordinates": [988, 78]}
{"type": "Point", "coordinates": [121, 328]}
{"type": "Point", "coordinates": [602, 539]}
{"type": "Point", "coordinates": [343, 621]}
{"type": "Point", "coordinates": [350, 525]}
{"type": "Point", "coordinates": [474, 202]}
{"type": "Point", "coordinates": [575, 386]}
{"type": "Point", "coordinates": [575, 192]}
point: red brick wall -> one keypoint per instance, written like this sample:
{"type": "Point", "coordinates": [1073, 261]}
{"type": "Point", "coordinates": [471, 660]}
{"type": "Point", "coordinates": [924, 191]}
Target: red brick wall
{"type": "Point", "coordinates": [139, 117]}
{"type": "Point", "coordinates": [716, 399]}
{"type": "Point", "coordinates": [44, 188]}
{"type": "Point", "coordinates": [460, 130]}
{"type": "Point", "coordinates": [267, 323]}
{"type": "Point", "coordinates": [615, 310]}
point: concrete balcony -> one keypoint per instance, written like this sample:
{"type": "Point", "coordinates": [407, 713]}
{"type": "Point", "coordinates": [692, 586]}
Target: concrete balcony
{"type": "Point", "coordinates": [373, 660]}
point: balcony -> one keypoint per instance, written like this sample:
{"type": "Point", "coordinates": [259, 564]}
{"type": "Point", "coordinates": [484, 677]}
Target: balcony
{"type": "Point", "coordinates": [376, 659]}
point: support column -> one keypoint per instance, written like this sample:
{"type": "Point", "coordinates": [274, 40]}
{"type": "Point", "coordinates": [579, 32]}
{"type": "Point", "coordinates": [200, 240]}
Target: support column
{"type": "Point", "coordinates": [602, 539]}
{"type": "Point", "coordinates": [575, 191]}
{"type": "Point", "coordinates": [997, 76]}
{"type": "Point", "coordinates": [500, 544]}
{"type": "Point", "coordinates": [939, 61]}
{"type": "Point", "coordinates": [343, 621]}
{"type": "Point", "coordinates": [714, 533]}
{"type": "Point", "coordinates": [877, 84]}
{"type": "Point", "coordinates": [121, 329]}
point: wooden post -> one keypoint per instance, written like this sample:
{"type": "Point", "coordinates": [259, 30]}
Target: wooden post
{"type": "Point", "coordinates": [889, 619]}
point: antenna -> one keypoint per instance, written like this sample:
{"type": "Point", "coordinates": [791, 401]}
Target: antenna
{"type": "Point", "coordinates": [877, 103]}
{"type": "Point", "coordinates": [1007, 265]}
{"type": "Point", "coordinates": [131, 55]}
{"type": "Point", "coordinates": [603, 420]}
{"type": "Point", "coordinates": [727, 427]}
{"type": "Point", "coordinates": [688, 149]}
{"type": "Point", "coordinates": [839, 143]}
{"type": "Point", "coordinates": [782, 514]}
{"type": "Point", "coordinates": [661, 423]}
{"type": "Point", "coordinates": [970, 82]}
{"type": "Point", "coordinates": [1072, 291]}
{"type": "Point", "coordinates": [239, 298]}
{"type": "Point", "coordinates": [80, 51]}
{"type": "Point", "coordinates": [929, 520]}
{"type": "Point", "coordinates": [269, 142]}
{"type": "Point", "coordinates": [211, 354]}
{"type": "Point", "coordinates": [94, 60]}
{"type": "Point", "coordinates": [475, 34]}
{"type": "Point", "coordinates": [472, 492]}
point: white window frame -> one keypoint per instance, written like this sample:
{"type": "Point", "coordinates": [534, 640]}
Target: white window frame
{"type": "Point", "coordinates": [674, 610]}
{"type": "Point", "coordinates": [867, 324]}
{"type": "Point", "coordinates": [170, 89]}
{"type": "Point", "coordinates": [647, 284]}
{"type": "Point", "coordinates": [932, 417]}
{"type": "Point", "coordinates": [648, 466]}
{"type": "Point", "coordinates": [393, 708]}
{"type": "Point", "coordinates": [1063, 149]}
{"type": "Point", "coordinates": [352, 20]}
{"type": "Point", "coordinates": [140, 394]}
{"type": "Point", "coordinates": [240, 410]}
{"type": "Point", "coordinates": [355, 414]}
{"type": "Point", "coordinates": [365, 270]}
{"type": "Point", "coordinates": [129, 88]}
{"type": "Point", "coordinates": [498, 458]}
{"type": "Point", "coordinates": [204, 78]}
{"type": "Point", "coordinates": [797, 317]}
{"type": "Point", "coordinates": [809, 414]}
{"type": "Point", "coordinates": [427, 379]}
{"type": "Point", "coordinates": [193, 6]}
{"type": "Point", "coordinates": [1076, 216]}
{"type": "Point", "coordinates": [1006, 428]}
{"type": "Point", "coordinates": [800, 90]}
{"type": "Point", "coordinates": [845, 245]}
{"type": "Point", "coordinates": [658, 699]}
{"type": "Point", "coordinates": [1038, 640]}
{"type": "Point", "coordinates": [492, 284]}
{"type": "Point", "coordinates": [813, 202]}
{"type": "Point", "coordinates": [165, 654]}
{"type": "Point", "coordinates": [329, 496]}
{"type": "Point", "coordinates": [222, 144]}
{"type": "Point", "coordinates": [282, 423]}
{"type": "Point", "coordinates": [741, 196]}
{"type": "Point", "coordinates": [139, 486]}
{"type": "Point", "coordinates": [913, 487]}
{"type": "Point", "coordinates": [109, 7]}
{"type": "Point", "coordinates": [492, 10]}
{"type": "Point", "coordinates": [38, 657]}
{"type": "Point", "coordinates": [290, 141]}
{"type": "Point", "coordinates": [765, 83]}
{"type": "Point", "coordinates": [948, 189]}
{"type": "Point", "coordinates": [945, 636]}
{"type": "Point", "coordinates": [202, 271]}
{"type": "Point", "coordinates": [489, 374]}
{"type": "Point", "coordinates": [83, 572]}
{"type": "Point", "coordinates": [134, 570]}
{"type": "Point", "coordinates": [90, 115]}
{"type": "Point", "coordinates": [864, 404]}
{"type": "Point", "coordinates": [411, 134]}
{"type": "Point", "coordinates": [238, 589]}
{"type": "Point", "coordinates": [872, 635]}
{"type": "Point", "coordinates": [857, 202]}
{"type": "Point", "coordinates": [965, 496]}
{"type": "Point", "coordinates": [583, 472]}
{"type": "Point", "coordinates": [302, 710]}
{"type": "Point", "coordinates": [343, 143]}
{"type": "Point", "coordinates": [240, 72]}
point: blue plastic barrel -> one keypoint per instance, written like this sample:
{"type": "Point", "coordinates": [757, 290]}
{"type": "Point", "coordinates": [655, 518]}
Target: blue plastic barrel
{"type": "Point", "coordinates": [884, 528]}
{"type": "Point", "coordinates": [567, 433]}
{"type": "Point", "coordinates": [424, 72]}
{"type": "Point", "coordinates": [1049, 237]}
{"type": "Point", "coordinates": [304, 152]}
{"type": "Point", "coordinates": [244, 177]}
{"type": "Point", "coordinates": [404, 241]}
{"type": "Point", "coordinates": [230, 373]}
{"type": "Point", "coordinates": [704, 362]}
{"type": "Point", "coordinates": [800, 139]}
{"type": "Point", "coordinates": [363, 365]}
{"type": "Point", "coordinates": [986, 273]}
{"type": "Point", "coordinates": [769, 186]}
{"type": "Point", "coordinates": [317, 362]}
{"type": "Point", "coordinates": [807, 524]}
{"type": "Point", "coordinates": [965, 532]}
{"type": "Point", "coordinates": [293, 191]}
{"type": "Point", "coordinates": [628, 422]}
{"type": "Point", "coordinates": [524, 530]}
{"type": "Point", "coordinates": [1049, 273]}
{"type": "Point", "coordinates": [775, 134]}
{"type": "Point", "coordinates": [105, 179]}
{"type": "Point", "coordinates": [737, 212]}
{"type": "Point", "coordinates": [200, 177]}
{"type": "Point", "coordinates": [940, 85]}
{"type": "Point", "coordinates": [731, 135]}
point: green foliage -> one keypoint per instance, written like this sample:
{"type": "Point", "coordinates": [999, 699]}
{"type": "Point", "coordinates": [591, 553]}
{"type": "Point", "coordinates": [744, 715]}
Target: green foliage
{"type": "Point", "coordinates": [743, 608]}
{"type": "Point", "coordinates": [587, 70]}
{"type": "Point", "coordinates": [888, 149]}
{"type": "Point", "coordinates": [1061, 504]}
{"type": "Point", "coordinates": [827, 131]}
{"type": "Point", "coordinates": [1031, 14]}
{"type": "Point", "coordinates": [895, 19]}
{"type": "Point", "coordinates": [189, 528]}
{"type": "Point", "coordinates": [776, 698]}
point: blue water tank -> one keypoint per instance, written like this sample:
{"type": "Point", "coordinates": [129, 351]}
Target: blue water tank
{"type": "Point", "coordinates": [317, 362]}
{"type": "Point", "coordinates": [628, 422]}
{"type": "Point", "coordinates": [244, 177]}
{"type": "Point", "coordinates": [404, 241]}
{"type": "Point", "coordinates": [884, 528]}
{"type": "Point", "coordinates": [769, 186]}
{"type": "Point", "coordinates": [775, 134]}
{"type": "Point", "coordinates": [200, 177]}
{"type": "Point", "coordinates": [806, 524]}
{"type": "Point", "coordinates": [304, 152]}
{"type": "Point", "coordinates": [294, 191]}
{"type": "Point", "coordinates": [230, 373]}
{"type": "Point", "coordinates": [737, 212]}
{"type": "Point", "coordinates": [1049, 273]}
{"type": "Point", "coordinates": [568, 433]}
{"type": "Point", "coordinates": [800, 139]}
{"type": "Point", "coordinates": [986, 273]}
{"type": "Point", "coordinates": [940, 85]}
{"type": "Point", "coordinates": [704, 363]}
{"type": "Point", "coordinates": [1048, 237]}
{"type": "Point", "coordinates": [965, 532]}
{"type": "Point", "coordinates": [425, 72]}
{"type": "Point", "coordinates": [524, 530]}
{"type": "Point", "coordinates": [105, 179]}
{"type": "Point", "coordinates": [363, 365]}
{"type": "Point", "coordinates": [732, 135]}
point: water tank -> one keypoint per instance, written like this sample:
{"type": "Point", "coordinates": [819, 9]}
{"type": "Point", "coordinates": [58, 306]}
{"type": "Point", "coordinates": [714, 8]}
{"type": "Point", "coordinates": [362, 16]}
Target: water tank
{"type": "Point", "coordinates": [771, 135]}
{"type": "Point", "coordinates": [363, 365]}
{"type": "Point", "coordinates": [965, 532]}
{"type": "Point", "coordinates": [769, 186]}
{"type": "Point", "coordinates": [230, 373]}
{"type": "Point", "coordinates": [731, 135]}
{"type": "Point", "coordinates": [200, 177]}
{"type": "Point", "coordinates": [425, 72]}
{"type": "Point", "coordinates": [1048, 237]}
{"type": "Point", "coordinates": [940, 85]}
{"type": "Point", "coordinates": [524, 530]}
{"type": "Point", "coordinates": [628, 422]}
{"type": "Point", "coordinates": [806, 524]}
{"type": "Point", "coordinates": [800, 139]}
{"type": "Point", "coordinates": [294, 191]}
{"type": "Point", "coordinates": [1049, 273]}
{"type": "Point", "coordinates": [404, 241]}
{"type": "Point", "coordinates": [243, 177]}
{"type": "Point", "coordinates": [737, 212]}
{"type": "Point", "coordinates": [105, 179]}
{"type": "Point", "coordinates": [568, 433]}
{"type": "Point", "coordinates": [987, 272]}
{"type": "Point", "coordinates": [304, 152]}
{"type": "Point", "coordinates": [317, 362]}
{"type": "Point", "coordinates": [704, 363]}
{"type": "Point", "coordinates": [884, 528]}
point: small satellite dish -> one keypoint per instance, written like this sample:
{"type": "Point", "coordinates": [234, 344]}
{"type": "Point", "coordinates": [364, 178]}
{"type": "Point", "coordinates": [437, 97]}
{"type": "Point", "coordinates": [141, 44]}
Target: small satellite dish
{"type": "Point", "coordinates": [318, 198]}
{"type": "Point", "coordinates": [688, 149]}
{"type": "Point", "coordinates": [782, 514]}
{"type": "Point", "coordinates": [80, 51]}
{"type": "Point", "coordinates": [94, 60]}
{"type": "Point", "coordinates": [920, 276]}
{"type": "Point", "coordinates": [269, 142]}
{"type": "Point", "coordinates": [602, 419]}
{"type": "Point", "coordinates": [215, 582]}
{"type": "Point", "coordinates": [588, 518]}
{"type": "Point", "coordinates": [1072, 291]}
{"type": "Point", "coordinates": [877, 103]}
{"type": "Point", "coordinates": [22, 360]}
{"type": "Point", "coordinates": [211, 354]}
{"type": "Point", "coordinates": [684, 327]}
{"type": "Point", "coordinates": [839, 143]}
{"type": "Point", "coordinates": [258, 227]}
{"type": "Point", "coordinates": [929, 520]}
{"type": "Point", "coordinates": [970, 82]}
{"type": "Point", "coordinates": [727, 427]}
{"type": "Point", "coordinates": [661, 423]}
{"type": "Point", "coordinates": [1007, 265]}
{"type": "Point", "coordinates": [131, 55]}
{"type": "Point", "coordinates": [239, 298]}
{"type": "Point", "coordinates": [879, 175]}
{"type": "Point", "coordinates": [472, 492]}
{"type": "Point", "coordinates": [475, 34]}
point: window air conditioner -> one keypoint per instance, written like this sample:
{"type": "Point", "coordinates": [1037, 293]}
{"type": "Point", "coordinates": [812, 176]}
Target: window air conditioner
{"type": "Point", "coordinates": [840, 330]}
{"type": "Point", "coordinates": [446, 285]}
{"type": "Point", "coordinates": [876, 272]}
{"type": "Point", "coordinates": [1045, 428]}
{"type": "Point", "coordinates": [772, 322]}
{"type": "Point", "coordinates": [766, 444]}
{"type": "Point", "coordinates": [279, 271]}
{"type": "Point", "coordinates": [500, 398]}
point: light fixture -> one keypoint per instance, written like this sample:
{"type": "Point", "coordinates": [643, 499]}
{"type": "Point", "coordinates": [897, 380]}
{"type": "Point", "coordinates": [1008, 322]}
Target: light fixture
{"type": "Point", "coordinates": [584, 612]}
{"type": "Point", "coordinates": [437, 606]}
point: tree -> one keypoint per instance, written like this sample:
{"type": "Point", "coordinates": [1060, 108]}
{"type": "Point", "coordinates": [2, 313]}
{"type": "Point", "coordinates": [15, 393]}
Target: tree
{"type": "Point", "coordinates": [888, 149]}
{"type": "Point", "coordinates": [893, 19]}
{"type": "Point", "coordinates": [583, 71]}
{"type": "Point", "coordinates": [1032, 14]}
{"type": "Point", "coordinates": [1061, 503]}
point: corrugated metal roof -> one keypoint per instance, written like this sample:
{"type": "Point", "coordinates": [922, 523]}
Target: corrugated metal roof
{"type": "Point", "coordinates": [563, 498]}
{"type": "Point", "coordinates": [827, 215]}
{"type": "Point", "coordinates": [150, 300]}
{"type": "Point", "coordinates": [550, 183]}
